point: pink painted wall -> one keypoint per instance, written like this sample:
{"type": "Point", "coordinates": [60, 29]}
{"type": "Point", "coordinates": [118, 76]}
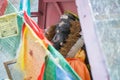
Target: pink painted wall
{"type": "Point", "coordinates": [51, 13]}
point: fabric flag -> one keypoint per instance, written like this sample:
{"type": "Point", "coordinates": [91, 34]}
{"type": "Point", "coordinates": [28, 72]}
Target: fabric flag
{"type": "Point", "coordinates": [10, 8]}
{"type": "Point", "coordinates": [36, 29]}
{"type": "Point", "coordinates": [11, 23]}
{"type": "Point", "coordinates": [3, 5]}
{"type": "Point", "coordinates": [33, 49]}
{"type": "Point", "coordinates": [41, 75]}
{"type": "Point", "coordinates": [63, 63]}
{"type": "Point", "coordinates": [32, 53]}
{"type": "Point", "coordinates": [54, 71]}
{"type": "Point", "coordinates": [10, 34]}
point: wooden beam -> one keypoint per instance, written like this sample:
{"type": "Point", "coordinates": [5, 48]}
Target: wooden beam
{"type": "Point", "coordinates": [60, 11]}
{"type": "Point", "coordinates": [34, 14]}
{"type": "Point", "coordinates": [97, 63]}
